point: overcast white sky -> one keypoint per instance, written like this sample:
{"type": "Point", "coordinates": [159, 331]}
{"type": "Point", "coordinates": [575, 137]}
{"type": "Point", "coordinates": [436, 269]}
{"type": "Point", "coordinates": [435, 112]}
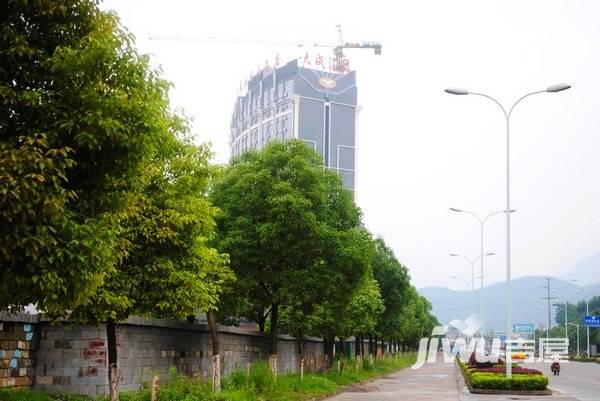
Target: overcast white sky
{"type": "Point", "coordinates": [420, 150]}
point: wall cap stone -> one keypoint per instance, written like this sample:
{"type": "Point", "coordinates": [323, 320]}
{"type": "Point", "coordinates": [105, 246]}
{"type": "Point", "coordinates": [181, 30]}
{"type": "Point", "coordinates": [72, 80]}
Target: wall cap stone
{"type": "Point", "coordinates": [18, 317]}
{"type": "Point", "coordinates": [166, 323]}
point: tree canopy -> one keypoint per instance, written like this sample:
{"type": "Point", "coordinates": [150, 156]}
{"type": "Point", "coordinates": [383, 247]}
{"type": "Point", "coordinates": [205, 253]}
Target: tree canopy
{"type": "Point", "coordinates": [103, 196]}
{"type": "Point", "coordinates": [284, 220]}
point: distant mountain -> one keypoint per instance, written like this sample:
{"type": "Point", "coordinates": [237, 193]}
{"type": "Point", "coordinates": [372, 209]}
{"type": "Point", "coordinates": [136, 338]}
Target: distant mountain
{"type": "Point", "coordinates": [527, 293]}
{"type": "Point", "coordinates": [586, 272]}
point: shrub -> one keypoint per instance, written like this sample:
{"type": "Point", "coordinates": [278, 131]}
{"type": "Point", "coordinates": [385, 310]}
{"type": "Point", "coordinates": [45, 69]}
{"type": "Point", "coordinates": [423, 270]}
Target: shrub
{"type": "Point", "coordinates": [515, 370]}
{"type": "Point", "coordinates": [494, 381]}
{"type": "Point", "coordinates": [261, 378]}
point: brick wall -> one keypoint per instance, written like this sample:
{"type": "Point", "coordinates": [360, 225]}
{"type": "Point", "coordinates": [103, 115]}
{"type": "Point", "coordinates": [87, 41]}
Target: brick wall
{"type": "Point", "coordinates": [73, 359]}
{"type": "Point", "coordinates": [16, 356]}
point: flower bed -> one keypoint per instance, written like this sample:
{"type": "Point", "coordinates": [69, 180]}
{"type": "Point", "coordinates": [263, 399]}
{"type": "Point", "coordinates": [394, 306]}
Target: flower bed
{"type": "Point", "coordinates": [515, 370]}
{"type": "Point", "coordinates": [493, 379]}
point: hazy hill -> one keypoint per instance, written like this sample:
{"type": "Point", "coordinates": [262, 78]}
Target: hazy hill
{"type": "Point", "coordinates": [587, 271]}
{"type": "Point", "coordinates": [528, 307]}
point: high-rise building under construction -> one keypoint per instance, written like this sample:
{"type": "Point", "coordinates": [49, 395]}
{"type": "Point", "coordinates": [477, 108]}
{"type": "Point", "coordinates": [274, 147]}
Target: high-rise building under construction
{"type": "Point", "coordinates": [316, 106]}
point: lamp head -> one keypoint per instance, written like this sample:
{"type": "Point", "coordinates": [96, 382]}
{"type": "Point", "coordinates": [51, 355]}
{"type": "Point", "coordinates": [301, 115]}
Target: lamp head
{"type": "Point", "coordinates": [456, 91]}
{"type": "Point", "coordinates": [558, 88]}
{"type": "Point", "coordinates": [455, 209]}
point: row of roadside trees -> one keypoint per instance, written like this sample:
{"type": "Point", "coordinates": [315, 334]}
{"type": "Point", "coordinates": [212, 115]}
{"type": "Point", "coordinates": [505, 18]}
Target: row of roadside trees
{"type": "Point", "coordinates": [108, 209]}
{"type": "Point", "coordinates": [303, 261]}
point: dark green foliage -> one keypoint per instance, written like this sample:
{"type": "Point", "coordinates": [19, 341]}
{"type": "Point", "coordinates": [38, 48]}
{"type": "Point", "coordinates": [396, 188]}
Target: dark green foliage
{"type": "Point", "coordinates": [394, 283]}
{"type": "Point", "coordinates": [492, 381]}
{"type": "Point", "coordinates": [103, 210]}
{"type": "Point", "coordinates": [80, 114]}
{"type": "Point", "coordinates": [575, 314]}
{"type": "Point", "coordinates": [289, 227]}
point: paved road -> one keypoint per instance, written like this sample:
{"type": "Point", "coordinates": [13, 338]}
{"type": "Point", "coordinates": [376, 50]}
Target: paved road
{"type": "Point", "coordinates": [578, 381]}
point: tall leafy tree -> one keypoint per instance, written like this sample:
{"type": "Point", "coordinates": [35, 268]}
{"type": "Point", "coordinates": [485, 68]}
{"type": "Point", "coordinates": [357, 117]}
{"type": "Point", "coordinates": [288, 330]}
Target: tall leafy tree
{"type": "Point", "coordinates": [282, 215]}
{"type": "Point", "coordinates": [103, 212]}
{"type": "Point", "coordinates": [394, 283]}
{"type": "Point", "coordinates": [350, 304]}
{"type": "Point", "coordinates": [170, 270]}
{"type": "Point", "coordinates": [66, 160]}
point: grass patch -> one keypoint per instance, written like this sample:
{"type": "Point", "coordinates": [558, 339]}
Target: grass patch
{"type": "Point", "coordinates": [258, 385]}
{"type": "Point", "coordinates": [23, 395]}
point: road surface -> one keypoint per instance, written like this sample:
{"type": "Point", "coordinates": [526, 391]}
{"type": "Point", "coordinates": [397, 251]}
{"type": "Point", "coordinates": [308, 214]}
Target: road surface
{"type": "Point", "coordinates": [578, 381]}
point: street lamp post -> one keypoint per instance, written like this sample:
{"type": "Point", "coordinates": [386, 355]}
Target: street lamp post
{"type": "Point", "coordinates": [507, 114]}
{"type": "Point", "coordinates": [587, 328]}
{"type": "Point", "coordinates": [472, 262]}
{"type": "Point", "coordinates": [576, 325]}
{"type": "Point", "coordinates": [467, 284]}
{"type": "Point", "coordinates": [481, 225]}
{"type": "Point", "coordinates": [587, 312]}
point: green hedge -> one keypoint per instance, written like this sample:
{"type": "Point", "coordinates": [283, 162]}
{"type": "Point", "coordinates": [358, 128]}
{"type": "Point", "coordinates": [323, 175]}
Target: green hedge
{"type": "Point", "coordinates": [494, 381]}
{"type": "Point", "coordinates": [584, 358]}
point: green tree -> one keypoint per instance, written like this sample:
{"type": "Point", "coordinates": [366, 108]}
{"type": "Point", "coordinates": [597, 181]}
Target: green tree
{"type": "Point", "coordinates": [63, 160]}
{"type": "Point", "coordinates": [170, 271]}
{"type": "Point", "coordinates": [282, 216]}
{"type": "Point", "coordinates": [394, 282]}
{"type": "Point", "coordinates": [103, 211]}
{"type": "Point", "coordinates": [350, 305]}
{"type": "Point", "coordinates": [416, 319]}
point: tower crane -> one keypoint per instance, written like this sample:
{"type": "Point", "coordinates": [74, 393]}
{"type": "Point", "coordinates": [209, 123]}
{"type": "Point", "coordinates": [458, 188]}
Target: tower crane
{"type": "Point", "coordinates": [338, 48]}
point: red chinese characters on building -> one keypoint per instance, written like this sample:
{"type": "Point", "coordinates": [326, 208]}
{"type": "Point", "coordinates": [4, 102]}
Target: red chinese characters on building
{"type": "Point", "coordinates": [306, 60]}
{"type": "Point", "coordinates": [319, 61]}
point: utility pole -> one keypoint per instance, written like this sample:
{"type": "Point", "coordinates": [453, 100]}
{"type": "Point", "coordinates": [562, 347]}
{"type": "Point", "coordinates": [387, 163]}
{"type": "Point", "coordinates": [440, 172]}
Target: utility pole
{"type": "Point", "coordinates": [548, 298]}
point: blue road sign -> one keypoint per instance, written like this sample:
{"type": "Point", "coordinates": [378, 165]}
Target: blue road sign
{"type": "Point", "coordinates": [523, 328]}
{"type": "Point", "coordinates": [591, 321]}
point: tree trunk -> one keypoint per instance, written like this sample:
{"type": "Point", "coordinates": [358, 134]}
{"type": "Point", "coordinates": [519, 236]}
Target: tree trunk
{"type": "Point", "coordinates": [216, 357]}
{"type": "Point", "coordinates": [342, 348]}
{"type": "Point", "coordinates": [375, 346]}
{"type": "Point", "coordinates": [261, 319]}
{"type": "Point", "coordinates": [300, 354]}
{"type": "Point", "coordinates": [329, 341]}
{"type": "Point", "coordinates": [362, 345]}
{"type": "Point", "coordinates": [273, 338]}
{"type": "Point", "coordinates": [113, 371]}
{"type": "Point", "coordinates": [370, 344]}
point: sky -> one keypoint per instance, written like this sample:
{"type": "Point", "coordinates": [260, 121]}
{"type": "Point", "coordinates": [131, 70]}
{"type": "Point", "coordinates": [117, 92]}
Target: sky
{"type": "Point", "coordinates": [420, 150]}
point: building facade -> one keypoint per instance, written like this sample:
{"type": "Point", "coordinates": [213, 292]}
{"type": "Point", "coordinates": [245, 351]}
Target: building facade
{"type": "Point", "coordinates": [318, 107]}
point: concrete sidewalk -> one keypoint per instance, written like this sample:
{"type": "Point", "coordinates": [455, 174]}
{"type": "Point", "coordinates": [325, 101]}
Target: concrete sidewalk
{"type": "Point", "coordinates": [431, 382]}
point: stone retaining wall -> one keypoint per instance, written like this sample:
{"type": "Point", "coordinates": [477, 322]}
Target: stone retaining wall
{"type": "Point", "coordinates": [73, 359]}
